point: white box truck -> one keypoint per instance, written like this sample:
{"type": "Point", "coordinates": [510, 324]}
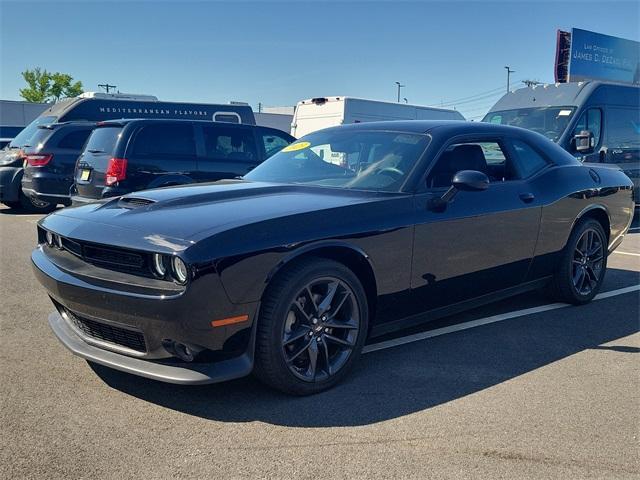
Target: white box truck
{"type": "Point", "coordinates": [318, 113]}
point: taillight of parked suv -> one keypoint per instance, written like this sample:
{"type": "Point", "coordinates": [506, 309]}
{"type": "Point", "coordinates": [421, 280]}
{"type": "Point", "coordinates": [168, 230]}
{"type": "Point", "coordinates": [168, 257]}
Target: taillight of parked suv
{"type": "Point", "coordinates": [116, 171]}
{"type": "Point", "coordinates": [38, 159]}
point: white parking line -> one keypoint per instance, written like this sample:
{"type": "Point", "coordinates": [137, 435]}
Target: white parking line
{"type": "Point", "coordinates": [627, 253]}
{"type": "Point", "coordinates": [485, 321]}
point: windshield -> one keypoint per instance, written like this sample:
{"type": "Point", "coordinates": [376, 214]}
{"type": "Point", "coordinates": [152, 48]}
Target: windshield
{"type": "Point", "coordinates": [353, 159]}
{"type": "Point", "coordinates": [25, 136]}
{"type": "Point", "coordinates": [549, 121]}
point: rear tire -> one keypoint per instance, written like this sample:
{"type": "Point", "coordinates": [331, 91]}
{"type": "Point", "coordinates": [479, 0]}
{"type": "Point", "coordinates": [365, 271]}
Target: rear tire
{"type": "Point", "coordinates": [32, 205]}
{"type": "Point", "coordinates": [582, 266]}
{"type": "Point", "coordinates": [312, 327]}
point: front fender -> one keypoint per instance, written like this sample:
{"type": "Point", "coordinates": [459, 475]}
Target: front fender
{"type": "Point", "coordinates": [10, 183]}
{"type": "Point", "coordinates": [245, 278]}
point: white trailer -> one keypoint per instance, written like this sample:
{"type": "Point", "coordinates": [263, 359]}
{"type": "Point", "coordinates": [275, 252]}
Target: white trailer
{"type": "Point", "coordinates": [318, 113]}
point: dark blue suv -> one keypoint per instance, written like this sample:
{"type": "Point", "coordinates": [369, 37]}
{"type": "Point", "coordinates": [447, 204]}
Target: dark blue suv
{"type": "Point", "coordinates": [123, 156]}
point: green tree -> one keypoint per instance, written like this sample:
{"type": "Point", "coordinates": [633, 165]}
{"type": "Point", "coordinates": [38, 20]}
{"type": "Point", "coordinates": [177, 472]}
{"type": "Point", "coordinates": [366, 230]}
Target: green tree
{"type": "Point", "coordinates": [44, 86]}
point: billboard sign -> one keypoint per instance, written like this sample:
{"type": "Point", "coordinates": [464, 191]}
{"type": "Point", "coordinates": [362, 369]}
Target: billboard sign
{"type": "Point", "coordinates": [594, 56]}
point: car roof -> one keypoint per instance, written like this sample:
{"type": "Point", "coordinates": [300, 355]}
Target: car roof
{"type": "Point", "coordinates": [70, 123]}
{"type": "Point", "coordinates": [444, 127]}
{"type": "Point", "coordinates": [126, 121]}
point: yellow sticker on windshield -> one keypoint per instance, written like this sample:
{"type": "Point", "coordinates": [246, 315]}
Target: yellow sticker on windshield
{"type": "Point", "coordinates": [294, 147]}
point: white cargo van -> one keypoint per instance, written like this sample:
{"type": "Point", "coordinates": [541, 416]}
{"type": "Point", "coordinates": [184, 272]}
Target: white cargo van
{"type": "Point", "coordinates": [318, 113]}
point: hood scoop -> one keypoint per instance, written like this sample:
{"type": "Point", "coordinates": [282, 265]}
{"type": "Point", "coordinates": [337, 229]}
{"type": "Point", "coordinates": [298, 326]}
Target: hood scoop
{"type": "Point", "coordinates": [134, 202]}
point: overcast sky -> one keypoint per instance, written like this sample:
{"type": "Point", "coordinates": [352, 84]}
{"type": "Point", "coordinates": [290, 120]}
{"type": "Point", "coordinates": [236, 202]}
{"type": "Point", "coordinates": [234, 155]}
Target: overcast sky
{"type": "Point", "coordinates": [279, 53]}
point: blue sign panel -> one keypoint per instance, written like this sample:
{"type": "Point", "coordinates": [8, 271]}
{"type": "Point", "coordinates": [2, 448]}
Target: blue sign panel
{"type": "Point", "coordinates": [601, 57]}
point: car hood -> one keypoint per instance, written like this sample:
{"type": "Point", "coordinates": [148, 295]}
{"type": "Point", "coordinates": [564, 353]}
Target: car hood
{"type": "Point", "coordinates": [180, 216]}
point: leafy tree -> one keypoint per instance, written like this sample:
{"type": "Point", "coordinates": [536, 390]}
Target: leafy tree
{"type": "Point", "coordinates": [44, 86]}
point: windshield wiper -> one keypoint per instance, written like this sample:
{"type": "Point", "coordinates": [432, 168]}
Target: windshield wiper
{"type": "Point", "coordinates": [92, 150]}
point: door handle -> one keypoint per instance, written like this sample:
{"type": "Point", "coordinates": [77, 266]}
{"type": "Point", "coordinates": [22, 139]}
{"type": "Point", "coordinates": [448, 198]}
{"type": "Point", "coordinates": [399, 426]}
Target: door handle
{"type": "Point", "coordinates": [527, 197]}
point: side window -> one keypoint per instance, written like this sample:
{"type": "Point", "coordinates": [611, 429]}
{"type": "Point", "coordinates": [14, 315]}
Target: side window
{"type": "Point", "coordinates": [528, 161]}
{"type": "Point", "coordinates": [229, 143]}
{"type": "Point", "coordinates": [165, 140]}
{"type": "Point", "coordinates": [623, 128]}
{"type": "Point", "coordinates": [590, 120]}
{"type": "Point", "coordinates": [487, 157]}
{"type": "Point", "coordinates": [273, 142]}
{"type": "Point", "coordinates": [74, 140]}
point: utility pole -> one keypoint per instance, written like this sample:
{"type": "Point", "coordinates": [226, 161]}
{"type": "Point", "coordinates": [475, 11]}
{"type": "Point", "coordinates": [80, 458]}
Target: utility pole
{"type": "Point", "coordinates": [509, 72]}
{"type": "Point", "coordinates": [399, 87]}
{"type": "Point", "coordinates": [106, 86]}
{"type": "Point", "coordinates": [531, 83]}
{"type": "Point", "coordinates": [259, 107]}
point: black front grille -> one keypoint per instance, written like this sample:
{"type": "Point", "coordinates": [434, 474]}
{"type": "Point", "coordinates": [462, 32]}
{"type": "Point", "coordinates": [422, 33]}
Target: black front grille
{"type": "Point", "coordinates": [113, 257]}
{"type": "Point", "coordinates": [108, 333]}
{"type": "Point", "coordinates": [71, 246]}
{"type": "Point", "coordinates": [106, 256]}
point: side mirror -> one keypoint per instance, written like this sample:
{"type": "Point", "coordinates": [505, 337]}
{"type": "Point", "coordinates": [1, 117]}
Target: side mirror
{"type": "Point", "coordinates": [584, 141]}
{"type": "Point", "coordinates": [464, 180]}
{"type": "Point", "coordinates": [470, 181]}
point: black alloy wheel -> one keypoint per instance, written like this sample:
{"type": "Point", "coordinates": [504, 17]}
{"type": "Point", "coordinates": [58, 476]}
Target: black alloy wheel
{"type": "Point", "coordinates": [588, 258]}
{"type": "Point", "coordinates": [321, 329]}
{"type": "Point", "coordinates": [583, 264]}
{"type": "Point", "coordinates": [312, 326]}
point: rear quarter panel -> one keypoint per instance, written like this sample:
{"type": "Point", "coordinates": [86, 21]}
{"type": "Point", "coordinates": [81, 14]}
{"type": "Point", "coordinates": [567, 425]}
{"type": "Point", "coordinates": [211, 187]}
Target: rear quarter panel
{"type": "Point", "coordinates": [567, 193]}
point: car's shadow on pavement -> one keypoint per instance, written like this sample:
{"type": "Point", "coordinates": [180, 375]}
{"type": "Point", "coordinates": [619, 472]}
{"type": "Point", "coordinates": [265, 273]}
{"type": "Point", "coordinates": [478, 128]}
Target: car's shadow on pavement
{"type": "Point", "coordinates": [395, 382]}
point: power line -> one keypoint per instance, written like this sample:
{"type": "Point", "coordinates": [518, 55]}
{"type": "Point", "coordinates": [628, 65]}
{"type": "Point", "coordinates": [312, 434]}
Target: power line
{"type": "Point", "coordinates": [477, 99]}
{"type": "Point", "coordinates": [449, 102]}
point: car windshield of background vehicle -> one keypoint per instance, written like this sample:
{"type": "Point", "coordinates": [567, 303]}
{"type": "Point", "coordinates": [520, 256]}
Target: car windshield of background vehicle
{"type": "Point", "coordinates": [24, 138]}
{"type": "Point", "coordinates": [352, 159]}
{"type": "Point", "coordinates": [549, 121]}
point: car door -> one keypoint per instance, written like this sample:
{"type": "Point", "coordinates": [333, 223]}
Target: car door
{"type": "Point", "coordinates": [161, 153]}
{"type": "Point", "coordinates": [482, 241]}
{"type": "Point", "coordinates": [229, 151]}
{"type": "Point", "coordinates": [591, 121]}
{"type": "Point", "coordinates": [623, 142]}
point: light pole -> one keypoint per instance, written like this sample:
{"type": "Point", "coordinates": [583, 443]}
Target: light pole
{"type": "Point", "coordinates": [509, 72]}
{"type": "Point", "coordinates": [399, 87]}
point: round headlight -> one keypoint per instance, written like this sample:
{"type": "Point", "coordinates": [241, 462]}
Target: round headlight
{"type": "Point", "coordinates": [49, 238]}
{"type": "Point", "coordinates": [159, 267]}
{"type": "Point", "coordinates": [58, 240]}
{"type": "Point", "coordinates": [179, 270]}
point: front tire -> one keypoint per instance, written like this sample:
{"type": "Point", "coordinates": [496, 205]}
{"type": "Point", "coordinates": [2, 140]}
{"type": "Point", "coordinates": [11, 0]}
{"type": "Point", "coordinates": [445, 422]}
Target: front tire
{"type": "Point", "coordinates": [312, 327]}
{"type": "Point", "coordinates": [583, 264]}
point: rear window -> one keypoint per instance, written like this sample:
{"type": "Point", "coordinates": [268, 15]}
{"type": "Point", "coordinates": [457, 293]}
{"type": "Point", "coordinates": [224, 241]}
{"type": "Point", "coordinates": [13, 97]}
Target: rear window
{"type": "Point", "coordinates": [24, 138]}
{"type": "Point", "coordinates": [39, 138]}
{"type": "Point", "coordinates": [165, 140]}
{"type": "Point", "coordinates": [103, 140]}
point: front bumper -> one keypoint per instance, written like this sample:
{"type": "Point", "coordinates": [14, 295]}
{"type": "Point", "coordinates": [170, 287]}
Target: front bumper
{"type": "Point", "coordinates": [80, 290]}
{"type": "Point", "coordinates": [180, 373]}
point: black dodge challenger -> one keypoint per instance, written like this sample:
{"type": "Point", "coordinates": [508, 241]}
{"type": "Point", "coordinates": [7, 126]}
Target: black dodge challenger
{"type": "Point", "coordinates": [347, 234]}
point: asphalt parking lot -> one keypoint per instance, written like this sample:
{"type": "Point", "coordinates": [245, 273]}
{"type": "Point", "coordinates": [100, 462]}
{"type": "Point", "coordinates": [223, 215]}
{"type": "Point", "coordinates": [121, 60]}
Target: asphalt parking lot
{"type": "Point", "coordinates": [517, 389]}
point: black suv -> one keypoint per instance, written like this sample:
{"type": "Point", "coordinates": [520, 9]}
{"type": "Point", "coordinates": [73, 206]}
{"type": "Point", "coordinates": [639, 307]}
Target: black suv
{"type": "Point", "coordinates": [129, 155]}
{"type": "Point", "coordinates": [49, 162]}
